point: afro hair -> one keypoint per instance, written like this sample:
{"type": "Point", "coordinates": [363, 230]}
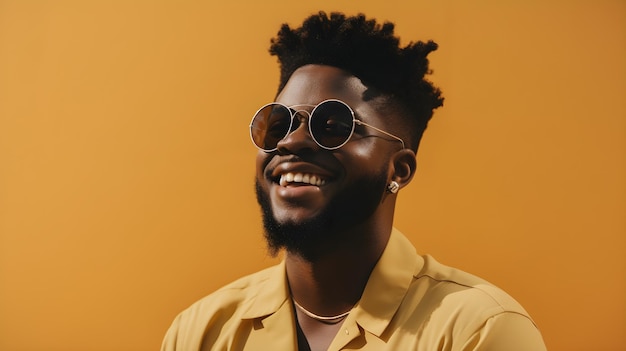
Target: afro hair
{"type": "Point", "coordinates": [369, 51]}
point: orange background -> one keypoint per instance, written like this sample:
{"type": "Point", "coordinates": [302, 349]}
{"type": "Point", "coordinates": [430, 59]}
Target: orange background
{"type": "Point", "coordinates": [126, 173]}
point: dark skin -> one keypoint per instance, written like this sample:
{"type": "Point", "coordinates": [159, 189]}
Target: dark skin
{"type": "Point", "coordinates": [333, 280]}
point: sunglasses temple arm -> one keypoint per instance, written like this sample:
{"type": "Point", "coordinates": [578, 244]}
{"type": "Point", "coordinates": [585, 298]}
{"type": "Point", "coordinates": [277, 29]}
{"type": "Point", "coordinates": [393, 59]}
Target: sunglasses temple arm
{"type": "Point", "coordinates": [380, 130]}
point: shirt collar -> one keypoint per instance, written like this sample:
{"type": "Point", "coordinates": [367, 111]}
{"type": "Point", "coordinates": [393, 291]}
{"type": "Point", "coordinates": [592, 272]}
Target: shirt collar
{"type": "Point", "coordinates": [270, 295]}
{"type": "Point", "coordinates": [388, 284]}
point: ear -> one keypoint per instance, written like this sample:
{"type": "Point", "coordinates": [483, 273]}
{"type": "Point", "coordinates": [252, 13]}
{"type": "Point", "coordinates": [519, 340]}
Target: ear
{"type": "Point", "coordinates": [403, 167]}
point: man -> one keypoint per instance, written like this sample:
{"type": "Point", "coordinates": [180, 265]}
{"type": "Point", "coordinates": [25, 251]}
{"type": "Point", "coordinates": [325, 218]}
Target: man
{"type": "Point", "coordinates": [335, 149]}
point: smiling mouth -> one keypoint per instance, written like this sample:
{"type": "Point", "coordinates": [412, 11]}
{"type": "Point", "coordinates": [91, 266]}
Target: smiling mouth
{"type": "Point", "coordinates": [296, 179]}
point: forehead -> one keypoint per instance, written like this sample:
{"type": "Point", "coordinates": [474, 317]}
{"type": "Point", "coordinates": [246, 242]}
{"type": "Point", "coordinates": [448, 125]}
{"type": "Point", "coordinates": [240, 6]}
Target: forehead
{"type": "Point", "coordinates": [312, 84]}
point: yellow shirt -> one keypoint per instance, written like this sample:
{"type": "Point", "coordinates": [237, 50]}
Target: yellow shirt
{"type": "Point", "coordinates": [410, 302]}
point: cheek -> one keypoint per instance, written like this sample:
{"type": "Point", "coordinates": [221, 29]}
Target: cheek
{"type": "Point", "coordinates": [367, 160]}
{"type": "Point", "coordinates": [366, 154]}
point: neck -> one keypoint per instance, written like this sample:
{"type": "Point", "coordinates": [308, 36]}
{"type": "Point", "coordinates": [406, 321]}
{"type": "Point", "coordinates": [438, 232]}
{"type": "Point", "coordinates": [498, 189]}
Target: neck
{"type": "Point", "coordinates": [333, 283]}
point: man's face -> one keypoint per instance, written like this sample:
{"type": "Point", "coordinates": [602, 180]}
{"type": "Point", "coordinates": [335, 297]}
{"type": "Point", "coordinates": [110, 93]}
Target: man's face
{"type": "Point", "coordinates": [300, 214]}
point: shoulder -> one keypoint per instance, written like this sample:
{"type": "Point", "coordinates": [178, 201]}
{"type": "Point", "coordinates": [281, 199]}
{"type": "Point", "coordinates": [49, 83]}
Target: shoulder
{"type": "Point", "coordinates": [465, 289]}
{"type": "Point", "coordinates": [220, 312]}
{"type": "Point", "coordinates": [463, 307]}
{"type": "Point", "coordinates": [231, 297]}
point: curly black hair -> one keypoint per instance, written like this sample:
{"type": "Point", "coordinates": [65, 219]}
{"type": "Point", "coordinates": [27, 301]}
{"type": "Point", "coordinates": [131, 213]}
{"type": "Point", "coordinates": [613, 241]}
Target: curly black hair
{"type": "Point", "coordinates": [369, 51]}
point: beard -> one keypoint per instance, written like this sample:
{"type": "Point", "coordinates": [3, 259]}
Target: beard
{"type": "Point", "coordinates": [311, 238]}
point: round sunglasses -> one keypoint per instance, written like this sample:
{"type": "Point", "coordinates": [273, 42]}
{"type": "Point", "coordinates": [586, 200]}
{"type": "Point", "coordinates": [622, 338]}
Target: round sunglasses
{"type": "Point", "coordinates": [331, 124]}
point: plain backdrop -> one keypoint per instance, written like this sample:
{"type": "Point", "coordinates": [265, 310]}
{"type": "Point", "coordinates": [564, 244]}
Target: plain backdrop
{"type": "Point", "coordinates": [126, 170]}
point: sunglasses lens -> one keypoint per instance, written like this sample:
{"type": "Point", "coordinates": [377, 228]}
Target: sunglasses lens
{"type": "Point", "coordinates": [332, 124]}
{"type": "Point", "coordinates": [270, 125]}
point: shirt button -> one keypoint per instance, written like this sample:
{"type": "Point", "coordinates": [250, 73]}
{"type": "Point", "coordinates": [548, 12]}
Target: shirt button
{"type": "Point", "coordinates": [347, 332]}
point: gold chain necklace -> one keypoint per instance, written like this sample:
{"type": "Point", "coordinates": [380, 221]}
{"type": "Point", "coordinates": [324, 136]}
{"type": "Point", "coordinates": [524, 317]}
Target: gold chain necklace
{"type": "Point", "coordinates": [323, 319]}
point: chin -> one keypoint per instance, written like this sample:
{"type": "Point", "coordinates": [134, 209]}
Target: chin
{"type": "Point", "coordinates": [311, 233]}
{"type": "Point", "coordinates": [298, 220]}
{"type": "Point", "coordinates": [295, 230]}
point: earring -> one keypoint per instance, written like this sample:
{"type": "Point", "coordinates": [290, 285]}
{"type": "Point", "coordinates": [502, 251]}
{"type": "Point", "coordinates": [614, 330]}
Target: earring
{"type": "Point", "coordinates": [393, 187]}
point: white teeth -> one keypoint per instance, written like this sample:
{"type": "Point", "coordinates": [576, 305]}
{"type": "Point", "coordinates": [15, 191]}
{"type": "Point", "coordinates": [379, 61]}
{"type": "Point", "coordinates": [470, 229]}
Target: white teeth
{"type": "Point", "coordinates": [300, 178]}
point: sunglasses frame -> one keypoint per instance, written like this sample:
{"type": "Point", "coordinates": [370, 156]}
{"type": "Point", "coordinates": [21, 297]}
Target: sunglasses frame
{"type": "Point", "coordinates": [293, 113]}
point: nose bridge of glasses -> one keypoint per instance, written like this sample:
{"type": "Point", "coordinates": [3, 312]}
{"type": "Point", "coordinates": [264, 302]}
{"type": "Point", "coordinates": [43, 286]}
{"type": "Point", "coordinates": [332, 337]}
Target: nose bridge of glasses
{"type": "Point", "coordinates": [299, 135]}
{"type": "Point", "coordinates": [299, 117]}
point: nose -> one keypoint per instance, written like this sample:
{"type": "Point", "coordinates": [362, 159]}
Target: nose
{"type": "Point", "coordinates": [299, 137]}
